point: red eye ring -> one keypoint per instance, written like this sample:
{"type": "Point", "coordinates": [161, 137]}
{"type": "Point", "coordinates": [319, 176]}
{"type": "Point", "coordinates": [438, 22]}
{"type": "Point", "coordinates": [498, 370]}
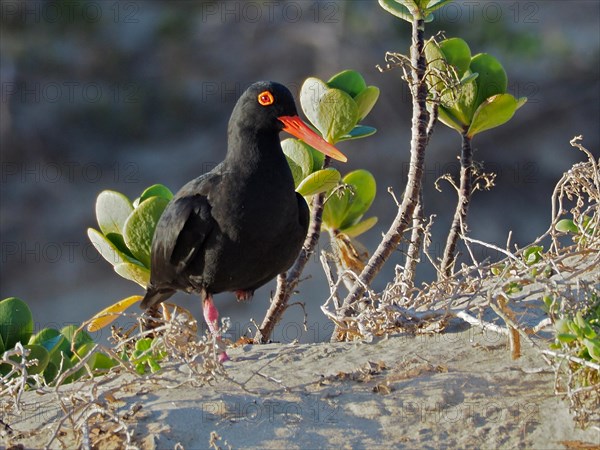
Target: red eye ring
{"type": "Point", "coordinates": [265, 98]}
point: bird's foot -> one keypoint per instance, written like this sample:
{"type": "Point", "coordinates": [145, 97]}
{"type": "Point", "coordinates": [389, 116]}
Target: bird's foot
{"type": "Point", "coordinates": [243, 296]}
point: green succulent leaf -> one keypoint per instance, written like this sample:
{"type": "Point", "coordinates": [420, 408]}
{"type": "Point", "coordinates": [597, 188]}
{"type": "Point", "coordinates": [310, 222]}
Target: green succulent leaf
{"type": "Point", "coordinates": [102, 362]}
{"type": "Point", "coordinates": [320, 181]}
{"type": "Point", "coordinates": [533, 254]}
{"type": "Point", "coordinates": [112, 210]}
{"type": "Point", "coordinates": [140, 225]}
{"type": "Point", "coordinates": [157, 190]}
{"type": "Point", "coordinates": [580, 321]}
{"type": "Point", "coordinates": [311, 94]}
{"type": "Point", "coordinates": [358, 132]}
{"type": "Point", "coordinates": [318, 158]}
{"type": "Point", "coordinates": [492, 79]}
{"type": "Point", "coordinates": [493, 112]}
{"type": "Point", "coordinates": [57, 367]}
{"type": "Point", "coordinates": [107, 249]}
{"type": "Point", "coordinates": [144, 354]}
{"type": "Point", "coordinates": [432, 5]}
{"type": "Point", "coordinates": [566, 226]}
{"type": "Point", "coordinates": [53, 341]}
{"type": "Point", "coordinates": [361, 227]}
{"type": "Point", "coordinates": [365, 100]}
{"type": "Point", "coordinates": [593, 348]}
{"type": "Point", "coordinates": [57, 347]}
{"type": "Point", "coordinates": [456, 103]}
{"type": "Point", "coordinates": [335, 115]}
{"type": "Point", "coordinates": [467, 77]}
{"type": "Point", "coordinates": [76, 338]}
{"type": "Point", "coordinates": [334, 210]}
{"type": "Point", "coordinates": [349, 81]}
{"type": "Point", "coordinates": [343, 210]}
{"type": "Point", "coordinates": [143, 345]}
{"type": "Point", "coordinates": [16, 322]}
{"type": "Point", "coordinates": [396, 9]}
{"type": "Point", "coordinates": [448, 119]}
{"type": "Point", "coordinates": [119, 243]}
{"type": "Point", "coordinates": [50, 372]}
{"type": "Point", "coordinates": [434, 55]}
{"type": "Point", "coordinates": [299, 158]}
{"type": "Point", "coordinates": [462, 107]}
{"type": "Point", "coordinates": [566, 338]}
{"type": "Point", "coordinates": [134, 272]}
{"type": "Point", "coordinates": [97, 362]}
{"type": "Point", "coordinates": [413, 5]}
{"type": "Point", "coordinates": [562, 326]}
{"type": "Point", "coordinates": [364, 190]}
{"type": "Point", "coordinates": [36, 352]}
{"type": "Point", "coordinates": [342, 112]}
{"type": "Point", "coordinates": [2, 347]}
{"type": "Point", "coordinates": [457, 53]}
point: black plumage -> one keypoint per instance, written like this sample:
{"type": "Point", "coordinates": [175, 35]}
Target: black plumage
{"type": "Point", "coordinates": [238, 226]}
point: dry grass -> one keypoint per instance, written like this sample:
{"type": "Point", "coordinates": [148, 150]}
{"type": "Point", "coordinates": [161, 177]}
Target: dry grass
{"type": "Point", "coordinates": [566, 270]}
{"type": "Point", "coordinates": [91, 415]}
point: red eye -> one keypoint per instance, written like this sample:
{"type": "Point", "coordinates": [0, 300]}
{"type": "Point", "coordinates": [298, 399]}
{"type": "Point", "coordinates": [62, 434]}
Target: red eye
{"type": "Point", "coordinates": [265, 98]}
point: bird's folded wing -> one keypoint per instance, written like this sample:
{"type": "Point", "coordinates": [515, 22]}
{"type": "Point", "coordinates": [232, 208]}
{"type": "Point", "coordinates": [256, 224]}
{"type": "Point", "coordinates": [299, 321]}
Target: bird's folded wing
{"type": "Point", "coordinates": [180, 234]}
{"type": "Point", "coordinates": [193, 234]}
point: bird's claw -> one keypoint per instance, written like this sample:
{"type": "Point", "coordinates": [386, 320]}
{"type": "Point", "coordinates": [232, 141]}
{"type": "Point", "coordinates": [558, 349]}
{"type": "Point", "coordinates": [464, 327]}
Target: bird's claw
{"type": "Point", "coordinates": [243, 296]}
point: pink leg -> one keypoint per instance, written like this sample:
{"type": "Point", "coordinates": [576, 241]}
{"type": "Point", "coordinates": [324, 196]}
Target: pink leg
{"type": "Point", "coordinates": [211, 316]}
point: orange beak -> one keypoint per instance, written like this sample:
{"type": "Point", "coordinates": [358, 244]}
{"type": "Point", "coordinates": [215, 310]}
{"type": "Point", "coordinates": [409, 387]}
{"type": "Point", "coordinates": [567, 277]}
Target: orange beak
{"type": "Point", "coordinates": [296, 127]}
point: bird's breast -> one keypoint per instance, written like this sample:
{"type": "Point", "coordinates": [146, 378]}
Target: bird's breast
{"type": "Point", "coordinates": [255, 207]}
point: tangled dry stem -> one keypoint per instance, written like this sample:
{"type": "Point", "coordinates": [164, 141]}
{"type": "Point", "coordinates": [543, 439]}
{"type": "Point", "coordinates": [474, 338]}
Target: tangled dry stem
{"type": "Point", "coordinates": [568, 272]}
{"type": "Point", "coordinates": [89, 414]}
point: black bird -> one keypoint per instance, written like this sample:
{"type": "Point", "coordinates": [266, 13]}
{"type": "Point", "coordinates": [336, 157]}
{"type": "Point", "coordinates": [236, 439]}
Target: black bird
{"type": "Point", "coordinates": [238, 226]}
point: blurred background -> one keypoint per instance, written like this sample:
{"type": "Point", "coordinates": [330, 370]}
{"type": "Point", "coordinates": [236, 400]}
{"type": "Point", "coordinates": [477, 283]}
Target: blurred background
{"type": "Point", "coordinates": [120, 95]}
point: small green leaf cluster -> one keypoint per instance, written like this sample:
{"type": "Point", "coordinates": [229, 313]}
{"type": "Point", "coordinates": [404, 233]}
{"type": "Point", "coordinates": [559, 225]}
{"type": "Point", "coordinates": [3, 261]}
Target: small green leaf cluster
{"type": "Point", "coordinates": [471, 91]}
{"type": "Point", "coordinates": [532, 256]}
{"type": "Point", "coordinates": [145, 355]}
{"type": "Point", "coordinates": [50, 352]}
{"type": "Point", "coordinates": [581, 230]}
{"type": "Point", "coordinates": [344, 210]}
{"type": "Point", "coordinates": [335, 109]}
{"type": "Point", "coordinates": [127, 229]}
{"type": "Point", "coordinates": [337, 106]}
{"type": "Point", "coordinates": [413, 9]}
{"type": "Point", "coordinates": [580, 333]}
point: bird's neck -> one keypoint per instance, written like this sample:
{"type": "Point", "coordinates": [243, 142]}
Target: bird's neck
{"type": "Point", "coordinates": [252, 150]}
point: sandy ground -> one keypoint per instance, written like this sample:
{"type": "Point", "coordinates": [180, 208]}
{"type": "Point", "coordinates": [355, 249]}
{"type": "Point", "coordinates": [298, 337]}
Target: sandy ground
{"type": "Point", "coordinates": [454, 390]}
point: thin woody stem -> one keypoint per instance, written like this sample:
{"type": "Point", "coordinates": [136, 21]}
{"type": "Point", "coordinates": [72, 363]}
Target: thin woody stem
{"type": "Point", "coordinates": [416, 235]}
{"type": "Point", "coordinates": [410, 199]}
{"type": "Point", "coordinates": [459, 222]}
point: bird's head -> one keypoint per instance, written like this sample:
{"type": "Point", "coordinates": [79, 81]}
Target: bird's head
{"type": "Point", "coordinates": [269, 106]}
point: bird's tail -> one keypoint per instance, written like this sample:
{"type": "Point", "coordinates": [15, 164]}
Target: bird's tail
{"type": "Point", "coordinates": [154, 296]}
